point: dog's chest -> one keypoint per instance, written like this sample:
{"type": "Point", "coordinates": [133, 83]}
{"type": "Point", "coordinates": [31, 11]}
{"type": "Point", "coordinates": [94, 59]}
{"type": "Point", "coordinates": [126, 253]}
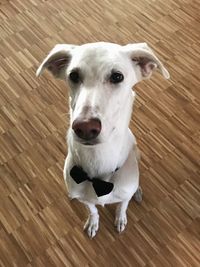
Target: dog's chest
{"type": "Point", "coordinates": [98, 162]}
{"type": "Point", "coordinates": [125, 182]}
{"type": "Point", "coordinates": [101, 162]}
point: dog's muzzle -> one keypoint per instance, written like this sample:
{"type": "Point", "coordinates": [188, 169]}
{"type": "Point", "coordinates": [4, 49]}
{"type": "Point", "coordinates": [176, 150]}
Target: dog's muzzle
{"type": "Point", "coordinates": [87, 129]}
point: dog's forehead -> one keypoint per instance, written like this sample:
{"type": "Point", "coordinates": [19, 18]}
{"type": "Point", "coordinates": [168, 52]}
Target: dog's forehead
{"type": "Point", "coordinates": [96, 55]}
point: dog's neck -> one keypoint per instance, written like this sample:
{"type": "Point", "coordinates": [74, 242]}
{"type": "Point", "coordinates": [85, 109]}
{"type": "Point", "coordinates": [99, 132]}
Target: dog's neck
{"type": "Point", "coordinates": [104, 158]}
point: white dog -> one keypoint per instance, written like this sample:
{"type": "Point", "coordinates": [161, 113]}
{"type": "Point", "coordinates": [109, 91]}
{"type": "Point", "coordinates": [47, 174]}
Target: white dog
{"type": "Point", "coordinates": [102, 162]}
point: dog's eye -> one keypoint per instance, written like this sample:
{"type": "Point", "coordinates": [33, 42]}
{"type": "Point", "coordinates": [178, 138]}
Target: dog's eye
{"type": "Point", "coordinates": [116, 77]}
{"type": "Point", "coordinates": [74, 76]}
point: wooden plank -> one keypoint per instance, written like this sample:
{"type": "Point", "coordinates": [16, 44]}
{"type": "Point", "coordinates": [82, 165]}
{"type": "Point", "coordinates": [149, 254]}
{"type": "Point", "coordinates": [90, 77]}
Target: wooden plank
{"type": "Point", "coordinates": [39, 225]}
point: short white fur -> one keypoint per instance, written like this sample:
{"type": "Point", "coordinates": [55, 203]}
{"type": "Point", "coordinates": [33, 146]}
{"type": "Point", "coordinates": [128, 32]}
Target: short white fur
{"type": "Point", "coordinates": [112, 104]}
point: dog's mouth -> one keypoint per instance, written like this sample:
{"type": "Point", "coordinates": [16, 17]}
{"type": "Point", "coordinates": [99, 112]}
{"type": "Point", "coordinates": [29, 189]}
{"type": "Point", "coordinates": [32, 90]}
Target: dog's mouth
{"type": "Point", "coordinates": [89, 143]}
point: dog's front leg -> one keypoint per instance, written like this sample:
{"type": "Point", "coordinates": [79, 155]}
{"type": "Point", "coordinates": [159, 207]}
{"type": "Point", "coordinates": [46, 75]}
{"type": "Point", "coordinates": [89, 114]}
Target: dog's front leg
{"type": "Point", "coordinates": [120, 216]}
{"type": "Point", "coordinates": [92, 223]}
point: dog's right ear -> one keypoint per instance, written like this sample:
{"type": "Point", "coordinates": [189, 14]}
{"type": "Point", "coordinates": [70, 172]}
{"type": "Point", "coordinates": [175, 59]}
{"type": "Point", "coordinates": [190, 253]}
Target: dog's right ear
{"type": "Point", "coordinates": [57, 60]}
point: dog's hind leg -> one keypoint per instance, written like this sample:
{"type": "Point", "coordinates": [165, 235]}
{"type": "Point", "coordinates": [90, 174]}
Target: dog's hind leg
{"type": "Point", "coordinates": [92, 223]}
{"type": "Point", "coordinates": [138, 195]}
{"type": "Point", "coordinates": [120, 216]}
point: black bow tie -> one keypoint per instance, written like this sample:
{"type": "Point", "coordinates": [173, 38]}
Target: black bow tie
{"type": "Point", "coordinates": [100, 187]}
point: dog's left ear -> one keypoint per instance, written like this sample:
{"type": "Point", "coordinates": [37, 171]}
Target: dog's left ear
{"type": "Point", "coordinates": [57, 60]}
{"type": "Point", "coordinates": [145, 59]}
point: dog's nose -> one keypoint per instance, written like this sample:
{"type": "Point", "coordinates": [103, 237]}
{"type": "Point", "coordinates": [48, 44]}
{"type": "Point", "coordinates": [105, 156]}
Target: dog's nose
{"type": "Point", "coordinates": [87, 129]}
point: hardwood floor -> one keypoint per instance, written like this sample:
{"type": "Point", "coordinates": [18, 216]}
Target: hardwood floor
{"type": "Point", "coordinates": [39, 226]}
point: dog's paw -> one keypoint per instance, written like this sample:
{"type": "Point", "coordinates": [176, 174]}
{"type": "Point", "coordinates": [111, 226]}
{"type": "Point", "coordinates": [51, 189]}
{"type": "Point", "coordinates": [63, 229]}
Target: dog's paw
{"type": "Point", "coordinates": [138, 195]}
{"type": "Point", "coordinates": [92, 225]}
{"type": "Point", "coordinates": [121, 222]}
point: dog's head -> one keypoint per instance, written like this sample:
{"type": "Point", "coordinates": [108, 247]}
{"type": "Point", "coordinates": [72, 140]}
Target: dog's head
{"type": "Point", "coordinates": [101, 77]}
